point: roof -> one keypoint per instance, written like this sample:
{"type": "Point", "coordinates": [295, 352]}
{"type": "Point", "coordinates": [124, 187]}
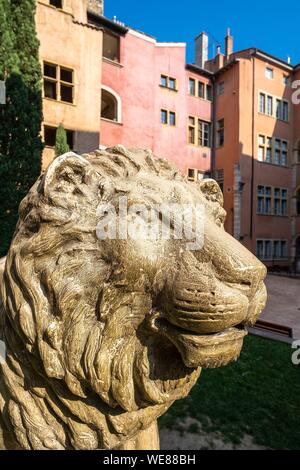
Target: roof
{"type": "Point", "coordinates": [106, 23]}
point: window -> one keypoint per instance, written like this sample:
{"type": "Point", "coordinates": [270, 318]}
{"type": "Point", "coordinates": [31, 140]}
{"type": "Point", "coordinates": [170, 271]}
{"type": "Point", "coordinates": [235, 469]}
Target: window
{"type": "Point", "coordinates": [56, 3]}
{"type": "Point", "coordinates": [164, 80]}
{"type": "Point", "coordinates": [220, 133]}
{"type": "Point", "coordinates": [298, 201]}
{"type": "Point", "coordinates": [109, 106]}
{"type": "Point", "coordinates": [272, 201]}
{"type": "Point", "coordinates": [172, 118]}
{"type": "Point", "coordinates": [204, 133]}
{"type": "Point", "coordinates": [269, 105]}
{"type": "Point", "coordinates": [286, 80]}
{"type": "Point", "coordinates": [220, 88]}
{"type": "Point", "coordinates": [262, 103]}
{"type": "Point", "coordinates": [172, 83]}
{"type": "Point", "coordinates": [50, 137]}
{"type": "Point", "coordinates": [272, 150]}
{"type": "Point", "coordinates": [209, 92]}
{"type": "Point", "coordinates": [264, 200]}
{"type": "Point", "coordinates": [191, 130]}
{"type": "Point", "coordinates": [58, 83]}
{"type": "Point", "coordinates": [285, 111]}
{"type": "Point", "coordinates": [201, 129]}
{"type": "Point", "coordinates": [272, 106]}
{"type": "Point", "coordinates": [271, 249]}
{"type": "Point", "coordinates": [111, 47]}
{"type": "Point", "coordinates": [168, 82]}
{"type": "Point", "coordinates": [168, 117]}
{"type": "Point", "coordinates": [219, 177]}
{"type": "Point", "coordinates": [201, 90]}
{"type": "Point", "coordinates": [192, 87]}
{"type": "Point", "coordinates": [196, 175]}
{"type": "Point", "coordinates": [269, 73]}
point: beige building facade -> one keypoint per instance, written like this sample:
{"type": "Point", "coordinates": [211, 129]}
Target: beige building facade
{"type": "Point", "coordinates": [70, 55]}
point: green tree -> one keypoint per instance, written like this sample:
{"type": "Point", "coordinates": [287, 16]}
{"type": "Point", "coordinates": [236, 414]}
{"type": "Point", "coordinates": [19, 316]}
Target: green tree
{"type": "Point", "coordinates": [21, 116]}
{"type": "Point", "coordinates": [61, 144]}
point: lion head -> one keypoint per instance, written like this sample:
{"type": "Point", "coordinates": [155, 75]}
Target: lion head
{"type": "Point", "coordinates": [103, 335]}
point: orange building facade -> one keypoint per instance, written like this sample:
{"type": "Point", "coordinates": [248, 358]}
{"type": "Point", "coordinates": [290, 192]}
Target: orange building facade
{"type": "Point", "coordinates": [256, 160]}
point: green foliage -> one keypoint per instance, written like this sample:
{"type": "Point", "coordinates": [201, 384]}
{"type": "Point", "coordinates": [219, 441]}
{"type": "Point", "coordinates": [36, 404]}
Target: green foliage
{"type": "Point", "coordinates": [61, 144]}
{"type": "Point", "coordinates": [258, 395]}
{"type": "Point", "coordinates": [21, 116]}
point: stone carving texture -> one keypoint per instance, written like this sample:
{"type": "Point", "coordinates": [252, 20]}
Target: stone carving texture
{"type": "Point", "coordinates": [103, 336]}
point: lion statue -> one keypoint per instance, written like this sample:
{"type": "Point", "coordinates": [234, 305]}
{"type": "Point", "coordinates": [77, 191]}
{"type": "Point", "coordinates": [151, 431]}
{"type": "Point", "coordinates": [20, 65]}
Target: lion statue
{"type": "Point", "coordinates": [103, 335]}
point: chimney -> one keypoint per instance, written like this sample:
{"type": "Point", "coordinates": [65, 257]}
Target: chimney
{"type": "Point", "coordinates": [96, 6]}
{"type": "Point", "coordinates": [228, 44]}
{"type": "Point", "coordinates": [201, 50]}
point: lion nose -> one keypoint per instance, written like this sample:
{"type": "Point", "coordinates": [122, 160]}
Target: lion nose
{"type": "Point", "coordinates": [233, 261]}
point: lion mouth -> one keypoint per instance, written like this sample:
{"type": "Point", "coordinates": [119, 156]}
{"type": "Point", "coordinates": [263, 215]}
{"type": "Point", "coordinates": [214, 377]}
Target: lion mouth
{"type": "Point", "coordinates": [208, 351]}
{"type": "Point", "coordinates": [210, 334]}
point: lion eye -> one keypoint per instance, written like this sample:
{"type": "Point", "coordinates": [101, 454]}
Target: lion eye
{"type": "Point", "coordinates": [220, 218]}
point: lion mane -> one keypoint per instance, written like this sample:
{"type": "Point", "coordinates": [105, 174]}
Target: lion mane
{"type": "Point", "coordinates": [82, 370]}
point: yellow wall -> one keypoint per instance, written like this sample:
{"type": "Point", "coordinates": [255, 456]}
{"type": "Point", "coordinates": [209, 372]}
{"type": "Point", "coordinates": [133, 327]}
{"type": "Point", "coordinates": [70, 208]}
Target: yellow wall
{"type": "Point", "coordinates": [66, 39]}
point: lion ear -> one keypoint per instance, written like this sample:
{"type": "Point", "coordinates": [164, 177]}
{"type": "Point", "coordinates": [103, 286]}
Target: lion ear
{"type": "Point", "coordinates": [66, 174]}
{"type": "Point", "coordinates": [211, 190]}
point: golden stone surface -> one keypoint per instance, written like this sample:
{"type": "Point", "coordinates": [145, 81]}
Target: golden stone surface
{"type": "Point", "coordinates": [102, 336]}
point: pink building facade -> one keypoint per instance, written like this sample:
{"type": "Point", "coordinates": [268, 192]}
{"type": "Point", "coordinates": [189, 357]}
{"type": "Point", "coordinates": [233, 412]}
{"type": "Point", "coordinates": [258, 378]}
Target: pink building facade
{"type": "Point", "coordinates": [152, 99]}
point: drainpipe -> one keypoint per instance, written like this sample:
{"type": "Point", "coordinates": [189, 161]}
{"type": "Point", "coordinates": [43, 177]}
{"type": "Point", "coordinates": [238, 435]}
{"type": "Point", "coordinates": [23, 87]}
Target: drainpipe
{"type": "Point", "coordinates": [253, 147]}
{"type": "Point", "coordinates": [213, 128]}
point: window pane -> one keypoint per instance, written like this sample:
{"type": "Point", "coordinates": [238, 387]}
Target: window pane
{"type": "Point", "coordinates": [172, 83]}
{"type": "Point", "coordinates": [269, 155]}
{"type": "Point", "coordinates": [172, 119]}
{"type": "Point", "coordinates": [56, 3]}
{"type": "Point", "coordinates": [209, 92]}
{"type": "Point", "coordinates": [284, 158]}
{"type": "Point", "coordinates": [192, 86]}
{"type": "Point", "coordinates": [49, 70]}
{"type": "Point", "coordinates": [278, 109]}
{"type": "Point", "coordinates": [49, 136]}
{"type": "Point", "coordinates": [270, 105]}
{"type": "Point", "coordinates": [261, 139]}
{"type": "Point", "coordinates": [201, 89]}
{"type": "Point", "coordinates": [285, 111]}
{"type": "Point", "coordinates": [111, 47]}
{"type": "Point", "coordinates": [260, 249]}
{"type": "Point", "coordinates": [164, 116]}
{"type": "Point", "coordinates": [261, 154]}
{"type": "Point", "coordinates": [260, 205]}
{"type": "Point", "coordinates": [66, 93]}
{"type": "Point", "coordinates": [262, 102]}
{"type": "Point", "coordinates": [191, 135]}
{"type": "Point", "coordinates": [70, 139]}
{"type": "Point", "coordinates": [66, 75]}
{"type": "Point", "coordinates": [268, 249]}
{"type": "Point", "coordinates": [269, 72]}
{"type": "Point", "coordinates": [191, 174]}
{"type": "Point", "coordinates": [163, 80]}
{"type": "Point", "coordinates": [50, 89]}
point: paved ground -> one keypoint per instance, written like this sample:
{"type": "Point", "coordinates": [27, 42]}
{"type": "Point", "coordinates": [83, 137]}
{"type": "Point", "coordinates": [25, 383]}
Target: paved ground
{"type": "Point", "coordinates": [283, 304]}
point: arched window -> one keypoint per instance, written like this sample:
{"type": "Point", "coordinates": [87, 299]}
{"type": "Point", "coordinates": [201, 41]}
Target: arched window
{"type": "Point", "coordinates": [110, 105]}
{"type": "Point", "coordinates": [298, 201]}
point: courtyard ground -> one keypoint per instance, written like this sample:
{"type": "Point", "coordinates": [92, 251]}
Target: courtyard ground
{"type": "Point", "coordinates": [283, 304]}
{"type": "Point", "coordinates": [251, 404]}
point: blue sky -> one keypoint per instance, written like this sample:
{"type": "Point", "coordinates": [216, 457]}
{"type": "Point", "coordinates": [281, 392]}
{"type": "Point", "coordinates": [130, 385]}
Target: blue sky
{"type": "Point", "coordinates": [269, 25]}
